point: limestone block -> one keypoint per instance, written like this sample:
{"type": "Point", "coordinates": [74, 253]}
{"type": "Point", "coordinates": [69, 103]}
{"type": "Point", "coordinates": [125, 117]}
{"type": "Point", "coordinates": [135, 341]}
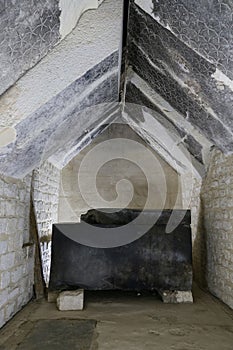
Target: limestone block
{"type": "Point", "coordinates": [2, 321]}
{"type": "Point", "coordinates": [176, 297]}
{"type": "Point", "coordinates": [17, 274]}
{"type": "Point", "coordinates": [10, 310]}
{"type": "Point", "coordinates": [3, 247]}
{"type": "Point", "coordinates": [3, 297]}
{"type": "Point", "coordinates": [4, 279]}
{"type": "Point", "coordinates": [7, 261]}
{"type": "Point", "coordinates": [70, 300]}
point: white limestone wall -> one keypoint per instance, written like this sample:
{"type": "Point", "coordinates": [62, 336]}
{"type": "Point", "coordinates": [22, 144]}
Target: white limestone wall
{"type": "Point", "coordinates": [217, 197]}
{"type": "Point", "coordinates": [211, 204]}
{"type": "Point", "coordinates": [16, 251]}
{"type": "Point", "coordinates": [72, 204]}
{"type": "Point", "coordinates": [46, 180]}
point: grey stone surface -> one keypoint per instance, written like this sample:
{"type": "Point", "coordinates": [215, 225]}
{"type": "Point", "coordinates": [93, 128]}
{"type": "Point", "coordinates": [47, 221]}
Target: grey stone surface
{"type": "Point", "coordinates": [182, 77]}
{"type": "Point", "coordinates": [75, 145]}
{"type": "Point", "coordinates": [194, 147]}
{"type": "Point", "coordinates": [58, 335]}
{"type": "Point", "coordinates": [206, 26]}
{"type": "Point", "coordinates": [134, 95]}
{"type": "Point", "coordinates": [28, 30]}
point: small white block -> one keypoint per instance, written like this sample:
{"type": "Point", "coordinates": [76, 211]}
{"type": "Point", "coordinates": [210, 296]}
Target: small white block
{"type": "Point", "coordinates": [176, 297]}
{"type": "Point", "coordinates": [70, 300]}
{"type": "Point", "coordinates": [184, 297]}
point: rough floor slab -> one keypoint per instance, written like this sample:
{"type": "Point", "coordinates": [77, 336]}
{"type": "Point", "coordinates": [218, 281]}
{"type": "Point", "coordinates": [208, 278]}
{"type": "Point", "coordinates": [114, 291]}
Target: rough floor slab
{"type": "Point", "coordinates": [57, 335]}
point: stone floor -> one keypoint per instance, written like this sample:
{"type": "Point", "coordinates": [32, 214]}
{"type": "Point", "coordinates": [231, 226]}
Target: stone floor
{"type": "Point", "coordinates": [122, 321]}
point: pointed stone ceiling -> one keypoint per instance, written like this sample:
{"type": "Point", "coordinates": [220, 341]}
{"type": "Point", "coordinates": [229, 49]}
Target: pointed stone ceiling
{"type": "Point", "coordinates": [177, 96]}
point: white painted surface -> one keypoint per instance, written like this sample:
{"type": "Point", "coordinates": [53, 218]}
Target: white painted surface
{"type": "Point", "coordinates": [71, 11]}
{"type": "Point", "coordinates": [97, 35]}
{"type": "Point", "coordinates": [76, 200]}
{"type": "Point", "coordinates": [7, 135]}
{"type": "Point", "coordinates": [222, 79]}
{"type": "Point", "coordinates": [45, 185]}
{"type": "Point", "coordinates": [146, 5]}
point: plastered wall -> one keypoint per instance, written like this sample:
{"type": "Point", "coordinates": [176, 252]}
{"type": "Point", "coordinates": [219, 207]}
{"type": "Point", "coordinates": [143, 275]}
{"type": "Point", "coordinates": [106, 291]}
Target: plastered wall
{"type": "Point", "coordinates": [72, 204]}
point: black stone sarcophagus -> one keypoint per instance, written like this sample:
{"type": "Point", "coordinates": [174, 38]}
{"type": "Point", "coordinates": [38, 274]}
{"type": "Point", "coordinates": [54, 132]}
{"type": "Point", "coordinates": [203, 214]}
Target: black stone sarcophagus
{"type": "Point", "coordinates": [157, 260]}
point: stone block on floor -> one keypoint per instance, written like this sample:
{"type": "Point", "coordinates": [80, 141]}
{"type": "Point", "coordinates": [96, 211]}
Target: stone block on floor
{"type": "Point", "coordinates": [71, 300]}
{"type": "Point", "coordinates": [176, 296]}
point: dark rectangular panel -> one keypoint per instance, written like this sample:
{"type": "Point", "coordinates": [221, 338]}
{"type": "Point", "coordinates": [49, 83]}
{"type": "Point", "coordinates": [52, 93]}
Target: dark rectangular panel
{"type": "Point", "coordinates": [157, 260]}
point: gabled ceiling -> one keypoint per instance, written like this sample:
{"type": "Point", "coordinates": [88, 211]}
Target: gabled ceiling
{"type": "Point", "coordinates": [175, 97]}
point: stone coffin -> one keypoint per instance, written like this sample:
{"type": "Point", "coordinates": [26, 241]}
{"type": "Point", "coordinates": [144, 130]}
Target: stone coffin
{"type": "Point", "coordinates": [156, 261]}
